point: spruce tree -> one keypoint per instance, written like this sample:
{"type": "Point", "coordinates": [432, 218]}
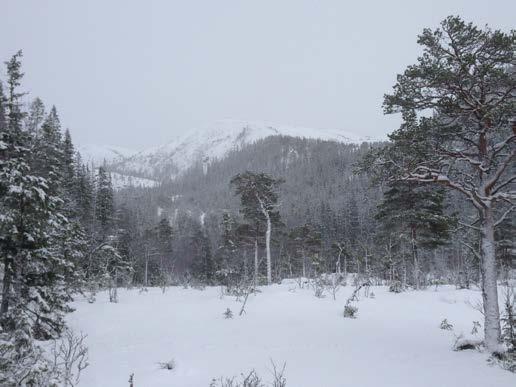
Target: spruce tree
{"type": "Point", "coordinates": [3, 123]}
{"type": "Point", "coordinates": [203, 266]}
{"type": "Point", "coordinates": [33, 234]}
{"type": "Point", "coordinates": [35, 116]}
{"type": "Point", "coordinates": [227, 265]}
{"type": "Point", "coordinates": [104, 208]}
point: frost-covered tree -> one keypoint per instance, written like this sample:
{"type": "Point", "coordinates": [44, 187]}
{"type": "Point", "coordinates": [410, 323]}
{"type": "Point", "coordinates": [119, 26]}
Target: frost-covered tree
{"type": "Point", "coordinates": [466, 78]}
{"type": "Point", "coordinates": [259, 204]}
{"type": "Point", "coordinates": [35, 116]}
{"type": "Point", "coordinates": [227, 247]}
{"type": "Point", "coordinates": [3, 123]}
{"type": "Point", "coordinates": [35, 244]}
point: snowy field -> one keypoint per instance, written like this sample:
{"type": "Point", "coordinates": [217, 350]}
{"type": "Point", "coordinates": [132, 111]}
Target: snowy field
{"type": "Point", "coordinates": [395, 341]}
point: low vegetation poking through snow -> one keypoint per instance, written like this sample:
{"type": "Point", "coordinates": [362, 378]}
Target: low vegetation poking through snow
{"type": "Point", "coordinates": [287, 323]}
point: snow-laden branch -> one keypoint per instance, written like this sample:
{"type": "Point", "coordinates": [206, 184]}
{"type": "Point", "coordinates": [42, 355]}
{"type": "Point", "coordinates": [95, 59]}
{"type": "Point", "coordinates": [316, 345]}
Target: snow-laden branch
{"type": "Point", "coordinates": [504, 216]}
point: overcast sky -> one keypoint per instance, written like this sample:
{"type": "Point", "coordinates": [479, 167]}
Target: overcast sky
{"type": "Point", "coordinates": [137, 73]}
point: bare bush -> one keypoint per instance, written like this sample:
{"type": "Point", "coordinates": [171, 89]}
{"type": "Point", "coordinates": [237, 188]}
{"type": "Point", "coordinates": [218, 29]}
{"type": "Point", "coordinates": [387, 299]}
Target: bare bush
{"type": "Point", "coordinates": [69, 357]}
{"type": "Point", "coordinates": [252, 379]}
{"type": "Point", "coordinates": [228, 314]}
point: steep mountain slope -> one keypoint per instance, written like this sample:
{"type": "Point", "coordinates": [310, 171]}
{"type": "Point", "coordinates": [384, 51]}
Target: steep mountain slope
{"type": "Point", "coordinates": [98, 154]}
{"type": "Point", "coordinates": [214, 142]}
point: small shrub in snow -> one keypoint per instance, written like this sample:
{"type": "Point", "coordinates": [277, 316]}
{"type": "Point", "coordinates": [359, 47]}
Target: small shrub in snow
{"type": "Point", "coordinates": [228, 313]}
{"type": "Point", "coordinates": [396, 287]}
{"type": "Point", "coordinates": [319, 291]}
{"type": "Point", "coordinates": [476, 327]}
{"type": "Point", "coordinates": [372, 295]}
{"type": "Point", "coordinates": [350, 311]}
{"type": "Point", "coordinates": [445, 325]}
{"type": "Point", "coordinates": [462, 344]}
{"type": "Point", "coordinates": [168, 365]}
{"type": "Point", "coordinates": [249, 380]}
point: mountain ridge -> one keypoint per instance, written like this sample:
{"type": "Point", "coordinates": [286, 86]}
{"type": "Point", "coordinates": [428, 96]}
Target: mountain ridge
{"type": "Point", "coordinates": [213, 142]}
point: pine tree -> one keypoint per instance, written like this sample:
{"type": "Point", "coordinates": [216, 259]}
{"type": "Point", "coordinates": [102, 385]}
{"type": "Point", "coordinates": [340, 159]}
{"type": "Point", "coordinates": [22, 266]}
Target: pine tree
{"type": "Point", "coordinates": [259, 201]}
{"type": "Point", "coordinates": [466, 78]}
{"type": "Point", "coordinates": [415, 214]}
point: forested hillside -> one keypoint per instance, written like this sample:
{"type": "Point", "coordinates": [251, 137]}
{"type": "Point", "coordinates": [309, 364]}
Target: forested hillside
{"type": "Point", "coordinates": [242, 206]}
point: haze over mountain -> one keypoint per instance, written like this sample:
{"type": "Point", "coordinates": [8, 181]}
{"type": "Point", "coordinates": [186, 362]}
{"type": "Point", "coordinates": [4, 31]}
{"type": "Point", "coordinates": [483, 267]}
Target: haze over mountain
{"type": "Point", "coordinates": [204, 144]}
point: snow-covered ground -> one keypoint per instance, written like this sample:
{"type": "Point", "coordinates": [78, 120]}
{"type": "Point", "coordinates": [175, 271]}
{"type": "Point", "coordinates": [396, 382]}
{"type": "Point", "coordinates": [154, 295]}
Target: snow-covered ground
{"type": "Point", "coordinates": [395, 341]}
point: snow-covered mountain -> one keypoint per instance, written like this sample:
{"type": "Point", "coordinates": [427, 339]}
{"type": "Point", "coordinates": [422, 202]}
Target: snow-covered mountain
{"type": "Point", "coordinates": [98, 154]}
{"type": "Point", "coordinates": [213, 142]}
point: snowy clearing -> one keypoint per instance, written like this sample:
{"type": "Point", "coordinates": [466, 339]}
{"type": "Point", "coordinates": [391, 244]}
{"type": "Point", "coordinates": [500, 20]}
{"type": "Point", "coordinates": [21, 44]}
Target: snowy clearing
{"type": "Point", "coordinates": [395, 341]}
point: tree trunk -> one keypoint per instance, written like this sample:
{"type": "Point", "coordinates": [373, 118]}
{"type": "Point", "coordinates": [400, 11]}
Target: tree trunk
{"type": "Point", "coordinates": [415, 257]}
{"type": "Point", "coordinates": [6, 288]}
{"type": "Point", "coordinates": [255, 262]}
{"type": "Point", "coordinates": [489, 283]}
{"type": "Point", "coordinates": [268, 250]}
{"type": "Point", "coordinates": [146, 270]}
{"type": "Point", "coordinates": [346, 267]}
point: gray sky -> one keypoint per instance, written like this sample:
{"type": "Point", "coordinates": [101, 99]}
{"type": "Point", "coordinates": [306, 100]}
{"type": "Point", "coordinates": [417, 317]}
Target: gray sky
{"type": "Point", "coordinates": [137, 73]}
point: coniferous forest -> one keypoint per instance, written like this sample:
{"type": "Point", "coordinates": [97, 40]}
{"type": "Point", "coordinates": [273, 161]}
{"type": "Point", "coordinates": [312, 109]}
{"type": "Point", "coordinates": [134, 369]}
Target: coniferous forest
{"type": "Point", "coordinates": [430, 207]}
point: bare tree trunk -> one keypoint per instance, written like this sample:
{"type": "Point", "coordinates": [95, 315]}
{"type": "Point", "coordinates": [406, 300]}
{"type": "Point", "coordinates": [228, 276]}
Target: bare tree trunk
{"type": "Point", "coordinates": [146, 269]}
{"type": "Point", "coordinates": [346, 267]}
{"type": "Point", "coordinates": [255, 262]}
{"type": "Point", "coordinates": [415, 258]}
{"type": "Point", "coordinates": [245, 265]}
{"type": "Point", "coordinates": [6, 288]}
{"type": "Point", "coordinates": [489, 284]}
{"type": "Point", "coordinates": [268, 250]}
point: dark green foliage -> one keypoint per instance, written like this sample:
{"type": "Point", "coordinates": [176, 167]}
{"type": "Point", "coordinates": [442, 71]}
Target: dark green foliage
{"type": "Point", "coordinates": [202, 265]}
{"type": "Point", "coordinates": [466, 78]}
{"type": "Point", "coordinates": [41, 245]}
{"type": "Point", "coordinates": [305, 245]}
{"type": "Point", "coordinates": [104, 210]}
